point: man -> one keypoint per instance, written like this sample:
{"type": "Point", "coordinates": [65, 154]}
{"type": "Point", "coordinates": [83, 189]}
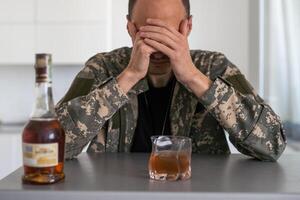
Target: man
{"type": "Point", "coordinates": [160, 87]}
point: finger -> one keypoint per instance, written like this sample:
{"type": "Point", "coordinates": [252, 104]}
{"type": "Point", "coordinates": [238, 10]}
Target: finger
{"type": "Point", "coordinates": [160, 47]}
{"type": "Point", "coordinates": [183, 29]}
{"type": "Point", "coordinates": [151, 49]}
{"type": "Point", "coordinates": [161, 30]}
{"type": "Point", "coordinates": [158, 22]}
{"type": "Point", "coordinates": [160, 38]}
{"type": "Point", "coordinates": [141, 44]}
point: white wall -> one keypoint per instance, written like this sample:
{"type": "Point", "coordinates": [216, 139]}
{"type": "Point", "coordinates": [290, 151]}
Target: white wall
{"type": "Point", "coordinates": [17, 89]}
{"type": "Point", "coordinates": [72, 30]}
{"type": "Point", "coordinates": [222, 26]}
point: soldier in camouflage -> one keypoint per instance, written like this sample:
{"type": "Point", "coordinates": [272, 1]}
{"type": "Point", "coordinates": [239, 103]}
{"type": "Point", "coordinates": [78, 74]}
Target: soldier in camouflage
{"type": "Point", "coordinates": [211, 95]}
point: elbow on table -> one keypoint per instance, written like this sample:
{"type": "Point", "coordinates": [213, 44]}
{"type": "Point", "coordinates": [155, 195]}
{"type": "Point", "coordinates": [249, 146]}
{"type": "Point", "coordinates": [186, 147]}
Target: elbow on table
{"type": "Point", "coordinates": [273, 156]}
{"type": "Point", "coordinates": [267, 148]}
{"type": "Point", "coordinates": [267, 140]}
{"type": "Point", "coordinates": [268, 151]}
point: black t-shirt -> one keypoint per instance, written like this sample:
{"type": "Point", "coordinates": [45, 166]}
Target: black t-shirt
{"type": "Point", "coordinates": [153, 108]}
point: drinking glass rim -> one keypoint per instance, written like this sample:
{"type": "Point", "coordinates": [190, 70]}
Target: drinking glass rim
{"type": "Point", "coordinates": [171, 137]}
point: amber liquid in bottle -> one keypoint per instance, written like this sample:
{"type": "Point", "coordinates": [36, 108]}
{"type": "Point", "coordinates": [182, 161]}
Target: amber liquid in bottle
{"type": "Point", "coordinates": [43, 137]}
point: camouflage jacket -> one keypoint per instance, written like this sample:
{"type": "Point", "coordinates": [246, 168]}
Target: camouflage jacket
{"type": "Point", "coordinates": [95, 111]}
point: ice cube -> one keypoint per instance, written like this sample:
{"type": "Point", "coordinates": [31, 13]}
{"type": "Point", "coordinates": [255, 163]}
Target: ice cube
{"type": "Point", "coordinates": [162, 141]}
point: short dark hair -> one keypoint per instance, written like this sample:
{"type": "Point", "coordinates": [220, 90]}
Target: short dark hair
{"type": "Point", "coordinates": [186, 4]}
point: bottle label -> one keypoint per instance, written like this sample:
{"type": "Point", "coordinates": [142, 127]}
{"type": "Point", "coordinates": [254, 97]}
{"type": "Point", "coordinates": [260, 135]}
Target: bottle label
{"type": "Point", "coordinates": [40, 155]}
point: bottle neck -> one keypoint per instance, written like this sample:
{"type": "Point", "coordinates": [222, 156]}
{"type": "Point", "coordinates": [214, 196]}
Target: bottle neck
{"type": "Point", "coordinates": [44, 105]}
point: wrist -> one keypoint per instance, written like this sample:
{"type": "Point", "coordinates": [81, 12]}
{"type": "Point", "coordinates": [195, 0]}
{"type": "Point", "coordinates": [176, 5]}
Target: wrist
{"type": "Point", "coordinates": [133, 73]}
{"type": "Point", "coordinates": [127, 79]}
{"type": "Point", "coordinates": [198, 83]}
{"type": "Point", "coordinates": [189, 77]}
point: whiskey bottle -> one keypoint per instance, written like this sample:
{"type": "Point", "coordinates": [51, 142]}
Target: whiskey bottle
{"type": "Point", "coordinates": [43, 138]}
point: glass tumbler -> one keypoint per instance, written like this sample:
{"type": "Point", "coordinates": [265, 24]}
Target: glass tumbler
{"type": "Point", "coordinates": [170, 158]}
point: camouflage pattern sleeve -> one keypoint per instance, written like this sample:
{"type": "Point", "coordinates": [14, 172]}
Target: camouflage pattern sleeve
{"type": "Point", "coordinates": [253, 127]}
{"type": "Point", "coordinates": [92, 99]}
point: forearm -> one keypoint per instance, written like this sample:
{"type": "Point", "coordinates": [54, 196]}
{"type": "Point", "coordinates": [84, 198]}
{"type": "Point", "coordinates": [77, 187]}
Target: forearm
{"type": "Point", "coordinates": [253, 126]}
{"type": "Point", "coordinates": [198, 83]}
{"type": "Point", "coordinates": [84, 116]}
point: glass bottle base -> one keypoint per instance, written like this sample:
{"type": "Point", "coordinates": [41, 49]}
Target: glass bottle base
{"type": "Point", "coordinates": [42, 179]}
{"type": "Point", "coordinates": [170, 177]}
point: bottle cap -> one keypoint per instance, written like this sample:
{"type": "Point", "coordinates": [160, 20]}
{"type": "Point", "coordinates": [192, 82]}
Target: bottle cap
{"type": "Point", "coordinates": [43, 68]}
